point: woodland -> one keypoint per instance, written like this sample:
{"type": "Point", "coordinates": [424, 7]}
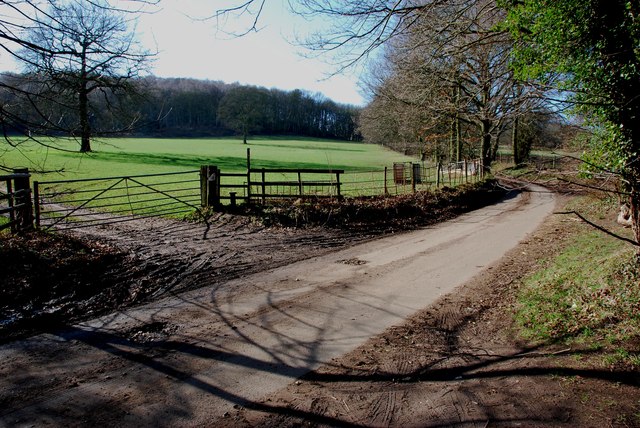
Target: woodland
{"type": "Point", "coordinates": [185, 107]}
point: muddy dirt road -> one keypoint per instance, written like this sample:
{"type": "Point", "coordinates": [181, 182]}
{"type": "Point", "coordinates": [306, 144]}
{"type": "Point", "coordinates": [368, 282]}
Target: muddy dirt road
{"type": "Point", "coordinates": [190, 360]}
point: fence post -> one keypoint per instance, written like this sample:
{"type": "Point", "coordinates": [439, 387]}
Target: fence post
{"type": "Point", "coordinates": [248, 175]}
{"type": "Point", "coordinates": [466, 171]}
{"type": "Point", "coordinates": [438, 166]}
{"type": "Point", "coordinates": [213, 191]}
{"type": "Point", "coordinates": [209, 186]}
{"type": "Point", "coordinates": [264, 186]}
{"type": "Point", "coordinates": [203, 185]}
{"type": "Point", "coordinates": [12, 214]}
{"type": "Point", "coordinates": [338, 185]}
{"type": "Point", "coordinates": [22, 191]}
{"type": "Point", "coordinates": [299, 184]}
{"type": "Point", "coordinates": [36, 202]}
{"type": "Point", "coordinates": [413, 179]}
{"type": "Point", "coordinates": [386, 190]}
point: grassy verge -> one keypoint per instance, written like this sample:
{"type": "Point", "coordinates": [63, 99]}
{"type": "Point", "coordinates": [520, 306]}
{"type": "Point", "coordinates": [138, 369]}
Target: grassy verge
{"type": "Point", "coordinates": [587, 295]}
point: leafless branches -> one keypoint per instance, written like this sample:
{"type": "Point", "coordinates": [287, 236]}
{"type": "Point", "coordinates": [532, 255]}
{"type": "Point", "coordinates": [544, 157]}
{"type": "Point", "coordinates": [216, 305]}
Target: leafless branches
{"type": "Point", "coordinates": [69, 50]}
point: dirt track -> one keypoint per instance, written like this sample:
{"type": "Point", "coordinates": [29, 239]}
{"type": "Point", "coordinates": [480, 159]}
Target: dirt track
{"type": "Point", "coordinates": [193, 358]}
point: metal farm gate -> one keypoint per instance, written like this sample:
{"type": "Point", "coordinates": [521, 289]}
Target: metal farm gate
{"type": "Point", "coordinates": [70, 204]}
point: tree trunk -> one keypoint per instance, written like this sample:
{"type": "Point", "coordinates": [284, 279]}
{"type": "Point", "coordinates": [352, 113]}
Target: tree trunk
{"type": "Point", "coordinates": [634, 205]}
{"type": "Point", "coordinates": [485, 129]}
{"type": "Point", "coordinates": [458, 133]}
{"type": "Point", "coordinates": [517, 160]}
{"type": "Point", "coordinates": [632, 177]}
{"type": "Point", "coordinates": [452, 141]}
{"type": "Point", "coordinates": [85, 128]}
{"type": "Point", "coordinates": [455, 140]}
{"type": "Point", "coordinates": [457, 128]}
{"type": "Point", "coordinates": [83, 107]}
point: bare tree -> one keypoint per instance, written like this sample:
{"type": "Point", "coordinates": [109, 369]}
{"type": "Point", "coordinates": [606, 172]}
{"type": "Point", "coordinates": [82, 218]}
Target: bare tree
{"type": "Point", "coordinates": [74, 53]}
{"type": "Point", "coordinates": [452, 66]}
{"type": "Point", "coordinates": [86, 49]}
{"type": "Point", "coordinates": [392, 119]}
{"type": "Point", "coordinates": [356, 28]}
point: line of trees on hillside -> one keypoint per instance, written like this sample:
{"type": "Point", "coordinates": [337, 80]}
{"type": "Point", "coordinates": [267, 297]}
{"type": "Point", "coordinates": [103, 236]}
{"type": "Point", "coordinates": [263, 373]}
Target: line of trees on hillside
{"type": "Point", "coordinates": [178, 107]}
{"type": "Point", "coordinates": [194, 107]}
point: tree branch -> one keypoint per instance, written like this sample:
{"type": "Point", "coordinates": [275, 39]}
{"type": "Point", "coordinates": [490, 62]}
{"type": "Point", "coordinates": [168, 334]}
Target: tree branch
{"type": "Point", "coordinates": [600, 228]}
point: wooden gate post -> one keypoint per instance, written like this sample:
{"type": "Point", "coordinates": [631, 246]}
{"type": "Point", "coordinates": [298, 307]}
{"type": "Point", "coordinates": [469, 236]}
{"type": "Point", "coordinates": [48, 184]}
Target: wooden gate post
{"type": "Point", "coordinates": [36, 202]}
{"type": "Point", "coordinates": [209, 186]}
{"type": "Point", "coordinates": [22, 191]}
{"type": "Point", "coordinates": [203, 185]}
{"type": "Point", "coordinates": [248, 175]}
{"type": "Point", "coordinates": [386, 189]}
{"type": "Point", "coordinates": [213, 191]}
{"type": "Point", "coordinates": [264, 186]}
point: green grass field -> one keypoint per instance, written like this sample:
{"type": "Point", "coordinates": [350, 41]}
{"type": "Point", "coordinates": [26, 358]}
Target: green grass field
{"type": "Point", "coordinates": [137, 156]}
{"type": "Point", "coordinates": [126, 157]}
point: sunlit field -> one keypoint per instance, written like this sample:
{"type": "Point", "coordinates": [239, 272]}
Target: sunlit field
{"type": "Point", "coordinates": [95, 180]}
{"type": "Point", "coordinates": [138, 156]}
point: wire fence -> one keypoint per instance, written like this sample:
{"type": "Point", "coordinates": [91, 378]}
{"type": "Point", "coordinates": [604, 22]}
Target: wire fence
{"type": "Point", "coordinates": [263, 185]}
{"type": "Point", "coordinates": [78, 203]}
{"type": "Point", "coordinates": [409, 178]}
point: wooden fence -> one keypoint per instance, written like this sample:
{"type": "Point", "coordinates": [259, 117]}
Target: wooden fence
{"type": "Point", "coordinates": [77, 203]}
{"type": "Point", "coordinates": [262, 184]}
{"type": "Point", "coordinates": [16, 201]}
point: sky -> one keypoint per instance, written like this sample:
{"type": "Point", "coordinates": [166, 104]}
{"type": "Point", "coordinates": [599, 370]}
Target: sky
{"type": "Point", "coordinates": [190, 47]}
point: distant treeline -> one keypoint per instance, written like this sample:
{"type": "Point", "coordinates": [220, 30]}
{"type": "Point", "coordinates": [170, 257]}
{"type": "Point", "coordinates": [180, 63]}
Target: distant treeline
{"type": "Point", "coordinates": [178, 107]}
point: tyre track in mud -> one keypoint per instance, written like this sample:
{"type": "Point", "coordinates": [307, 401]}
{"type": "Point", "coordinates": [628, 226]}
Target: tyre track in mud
{"type": "Point", "coordinates": [190, 255]}
{"type": "Point", "coordinates": [128, 263]}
